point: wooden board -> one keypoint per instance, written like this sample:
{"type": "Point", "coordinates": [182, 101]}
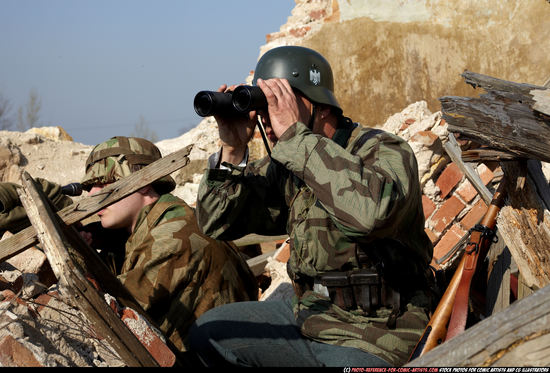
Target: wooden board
{"type": "Point", "coordinates": [81, 291]}
{"type": "Point", "coordinates": [504, 118]}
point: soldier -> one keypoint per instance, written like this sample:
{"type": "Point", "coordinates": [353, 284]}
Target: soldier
{"type": "Point", "coordinates": [349, 198]}
{"type": "Point", "coordinates": [172, 269]}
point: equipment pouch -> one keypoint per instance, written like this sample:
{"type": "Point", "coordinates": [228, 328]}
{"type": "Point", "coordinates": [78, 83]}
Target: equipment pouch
{"type": "Point", "coordinates": [339, 289]}
{"type": "Point", "coordinates": [366, 289]}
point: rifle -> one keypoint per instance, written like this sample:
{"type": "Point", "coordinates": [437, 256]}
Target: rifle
{"type": "Point", "coordinates": [452, 309]}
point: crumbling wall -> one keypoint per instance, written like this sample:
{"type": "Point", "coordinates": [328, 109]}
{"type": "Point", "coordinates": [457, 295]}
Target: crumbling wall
{"type": "Point", "coordinates": [386, 54]}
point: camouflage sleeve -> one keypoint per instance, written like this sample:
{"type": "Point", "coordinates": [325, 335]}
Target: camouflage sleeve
{"type": "Point", "coordinates": [13, 217]}
{"type": "Point", "coordinates": [231, 204]}
{"type": "Point", "coordinates": [375, 181]}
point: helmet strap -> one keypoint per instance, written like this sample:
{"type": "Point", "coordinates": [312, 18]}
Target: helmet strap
{"type": "Point", "coordinates": [313, 114]}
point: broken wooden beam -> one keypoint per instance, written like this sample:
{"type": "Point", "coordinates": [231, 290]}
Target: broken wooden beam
{"type": "Point", "coordinates": [505, 118]}
{"type": "Point", "coordinates": [80, 290]}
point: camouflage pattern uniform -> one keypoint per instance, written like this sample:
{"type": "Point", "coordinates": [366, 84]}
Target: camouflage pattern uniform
{"type": "Point", "coordinates": [332, 197]}
{"type": "Point", "coordinates": [173, 270]}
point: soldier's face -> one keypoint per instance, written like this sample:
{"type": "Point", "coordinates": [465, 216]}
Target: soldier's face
{"type": "Point", "coordinates": [122, 214]}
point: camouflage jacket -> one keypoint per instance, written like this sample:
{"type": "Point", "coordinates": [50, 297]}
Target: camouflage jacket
{"type": "Point", "coordinates": [332, 196]}
{"type": "Point", "coordinates": [177, 273]}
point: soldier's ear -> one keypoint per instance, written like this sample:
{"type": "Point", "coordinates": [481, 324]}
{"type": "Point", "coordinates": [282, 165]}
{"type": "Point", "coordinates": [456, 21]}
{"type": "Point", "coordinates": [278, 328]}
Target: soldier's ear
{"type": "Point", "coordinates": [148, 189]}
{"type": "Point", "coordinates": [324, 111]}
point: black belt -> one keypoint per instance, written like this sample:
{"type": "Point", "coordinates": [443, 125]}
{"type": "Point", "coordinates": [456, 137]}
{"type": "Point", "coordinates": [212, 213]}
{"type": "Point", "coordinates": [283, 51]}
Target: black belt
{"type": "Point", "coordinates": [361, 289]}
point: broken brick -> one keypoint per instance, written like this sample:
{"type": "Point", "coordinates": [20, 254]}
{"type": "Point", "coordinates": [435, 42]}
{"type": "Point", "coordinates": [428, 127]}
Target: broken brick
{"type": "Point", "coordinates": [475, 214]}
{"type": "Point", "coordinates": [448, 179]}
{"type": "Point", "coordinates": [447, 213]}
{"type": "Point", "coordinates": [14, 354]}
{"type": "Point", "coordinates": [448, 241]}
{"type": "Point", "coordinates": [466, 191]}
{"type": "Point", "coordinates": [148, 338]}
{"type": "Point", "coordinates": [428, 206]}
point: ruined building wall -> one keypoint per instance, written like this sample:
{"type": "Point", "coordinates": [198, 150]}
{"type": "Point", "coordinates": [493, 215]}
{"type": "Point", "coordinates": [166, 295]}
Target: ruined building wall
{"type": "Point", "coordinates": [387, 54]}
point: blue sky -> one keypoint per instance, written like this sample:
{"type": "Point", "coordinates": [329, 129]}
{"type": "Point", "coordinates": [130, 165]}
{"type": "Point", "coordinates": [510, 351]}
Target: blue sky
{"type": "Point", "coordinates": [98, 66]}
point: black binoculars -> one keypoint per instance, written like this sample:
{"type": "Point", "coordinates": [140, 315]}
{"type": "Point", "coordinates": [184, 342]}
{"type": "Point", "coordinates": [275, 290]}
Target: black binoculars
{"type": "Point", "coordinates": [243, 99]}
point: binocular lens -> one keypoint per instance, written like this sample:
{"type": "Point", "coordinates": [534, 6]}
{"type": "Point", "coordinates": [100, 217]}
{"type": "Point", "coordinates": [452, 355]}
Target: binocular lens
{"type": "Point", "coordinates": [208, 103]}
{"type": "Point", "coordinates": [243, 99]}
{"type": "Point", "coordinates": [247, 98]}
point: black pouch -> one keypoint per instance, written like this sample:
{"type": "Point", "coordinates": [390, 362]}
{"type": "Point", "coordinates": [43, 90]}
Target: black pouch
{"type": "Point", "coordinates": [339, 289]}
{"type": "Point", "coordinates": [366, 289]}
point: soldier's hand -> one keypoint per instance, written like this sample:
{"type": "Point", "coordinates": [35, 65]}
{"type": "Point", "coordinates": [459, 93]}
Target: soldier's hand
{"type": "Point", "coordinates": [235, 132]}
{"type": "Point", "coordinates": [282, 104]}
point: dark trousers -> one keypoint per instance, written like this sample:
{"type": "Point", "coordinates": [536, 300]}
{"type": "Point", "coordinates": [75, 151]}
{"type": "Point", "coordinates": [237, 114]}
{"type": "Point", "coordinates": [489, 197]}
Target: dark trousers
{"type": "Point", "coordinates": [265, 334]}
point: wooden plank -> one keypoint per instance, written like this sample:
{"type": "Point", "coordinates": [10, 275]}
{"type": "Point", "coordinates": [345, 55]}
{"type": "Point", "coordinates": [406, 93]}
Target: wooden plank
{"type": "Point", "coordinates": [523, 289]}
{"type": "Point", "coordinates": [518, 334]}
{"type": "Point", "coordinates": [82, 292]}
{"type": "Point", "coordinates": [110, 194]}
{"type": "Point", "coordinates": [453, 150]}
{"type": "Point", "coordinates": [525, 225]}
{"type": "Point", "coordinates": [498, 281]}
{"type": "Point", "coordinates": [257, 264]}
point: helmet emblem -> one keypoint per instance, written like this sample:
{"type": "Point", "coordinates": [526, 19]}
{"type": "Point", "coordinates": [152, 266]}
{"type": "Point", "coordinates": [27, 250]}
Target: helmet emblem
{"type": "Point", "coordinates": [314, 75]}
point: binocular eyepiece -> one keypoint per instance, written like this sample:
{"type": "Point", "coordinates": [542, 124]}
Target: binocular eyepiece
{"type": "Point", "coordinates": [243, 99]}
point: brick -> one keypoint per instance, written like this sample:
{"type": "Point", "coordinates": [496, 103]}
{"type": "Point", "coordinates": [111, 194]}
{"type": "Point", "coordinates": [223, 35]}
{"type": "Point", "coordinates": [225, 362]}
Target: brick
{"type": "Point", "coordinates": [446, 214]}
{"type": "Point", "coordinates": [448, 179]}
{"type": "Point", "coordinates": [148, 338]}
{"type": "Point", "coordinates": [8, 295]}
{"type": "Point", "coordinates": [317, 14]}
{"type": "Point", "coordinates": [300, 31]}
{"type": "Point", "coordinates": [466, 191]}
{"type": "Point", "coordinates": [426, 138]}
{"type": "Point", "coordinates": [42, 301]}
{"type": "Point", "coordinates": [29, 261]}
{"type": "Point", "coordinates": [428, 206]}
{"type": "Point", "coordinates": [274, 36]}
{"type": "Point", "coordinates": [407, 123]}
{"type": "Point", "coordinates": [431, 235]}
{"type": "Point", "coordinates": [14, 354]}
{"type": "Point", "coordinates": [13, 285]}
{"type": "Point", "coordinates": [448, 241]}
{"type": "Point", "coordinates": [474, 215]}
{"type": "Point", "coordinates": [284, 254]}
{"type": "Point", "coordinates": [485, 173]}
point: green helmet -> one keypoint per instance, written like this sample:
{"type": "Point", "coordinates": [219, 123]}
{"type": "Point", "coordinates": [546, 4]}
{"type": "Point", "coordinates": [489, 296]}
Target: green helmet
{"type": "Point", "coordinates": [119, 157]}
{"type": "Point", "coordinates": [305, 69]}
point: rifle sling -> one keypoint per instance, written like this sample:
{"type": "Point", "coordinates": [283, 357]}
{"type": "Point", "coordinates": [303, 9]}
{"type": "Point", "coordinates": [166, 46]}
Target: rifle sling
{"type": "Point", "coordinates": [459, 314]}
{"type": "Point", "coordinates": [480, 239]}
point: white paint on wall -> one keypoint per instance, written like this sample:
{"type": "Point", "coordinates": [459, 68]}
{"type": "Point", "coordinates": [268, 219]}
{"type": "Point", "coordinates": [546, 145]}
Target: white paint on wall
{"type": "Point", "coordinates": [385, 10]}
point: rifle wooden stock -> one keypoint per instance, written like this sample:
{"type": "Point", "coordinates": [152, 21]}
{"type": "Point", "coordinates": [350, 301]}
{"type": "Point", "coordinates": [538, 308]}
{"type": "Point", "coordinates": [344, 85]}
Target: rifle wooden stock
{"type": "Point", "coordinates": [474, 253]}
{"type": "Point", "coordinates": [457, 292]}
{"type": "Point", "coordinates": [436, 330]}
